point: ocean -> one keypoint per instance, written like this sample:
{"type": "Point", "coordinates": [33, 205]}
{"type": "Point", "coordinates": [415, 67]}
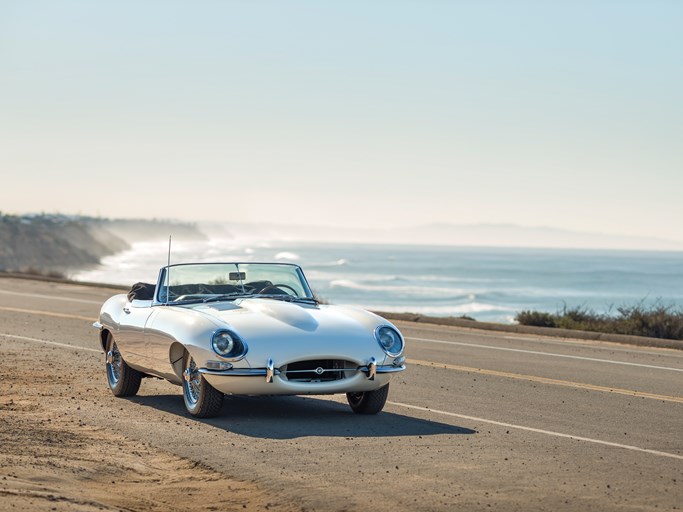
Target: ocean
{"type": "Point", "coordinates": [488, 284]}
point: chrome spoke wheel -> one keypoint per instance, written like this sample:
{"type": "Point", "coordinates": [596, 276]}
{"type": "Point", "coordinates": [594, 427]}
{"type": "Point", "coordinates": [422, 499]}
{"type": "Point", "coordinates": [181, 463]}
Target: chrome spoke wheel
{"type": "Point", "coordinates": [114, 364]}
{"type": "Point", "coordinates": [201, 399]}
{"type": "Point", "coordinates": [191, 386]}
{"type": "Point", "coordinates": [122, 379]}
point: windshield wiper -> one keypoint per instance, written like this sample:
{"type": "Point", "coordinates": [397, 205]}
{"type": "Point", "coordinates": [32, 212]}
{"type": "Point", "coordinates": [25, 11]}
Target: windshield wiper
{"type": "Point", "coordinates": [228, 296]}
{"type": "Point", "coordinates": [276, 296]}
{"type": "Point", "coordinates": [286, 298]}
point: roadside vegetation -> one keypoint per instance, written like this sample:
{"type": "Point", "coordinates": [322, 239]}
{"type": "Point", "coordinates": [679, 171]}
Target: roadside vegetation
{"type": "Point", "coordinates": [32, 271]}
{"type": "Point", "coordinates": [655, 320]}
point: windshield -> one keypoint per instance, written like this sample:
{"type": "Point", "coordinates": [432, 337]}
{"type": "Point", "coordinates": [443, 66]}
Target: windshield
{"type": "Point", "coordinates": [205, 282]}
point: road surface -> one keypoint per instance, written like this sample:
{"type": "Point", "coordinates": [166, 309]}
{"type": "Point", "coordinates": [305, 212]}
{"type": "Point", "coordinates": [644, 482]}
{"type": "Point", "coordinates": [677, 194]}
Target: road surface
{"type": "Point", "coordinates": [479, 421]}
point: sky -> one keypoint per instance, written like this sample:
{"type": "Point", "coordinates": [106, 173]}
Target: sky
{"type": "Point", "coordinates": [367, 114]}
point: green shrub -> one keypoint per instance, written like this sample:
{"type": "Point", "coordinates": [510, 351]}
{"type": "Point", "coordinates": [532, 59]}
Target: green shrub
{"type": "Point", "coordinates": [537, 318]}
{"type": "Point", "coordinates": [655, 320]}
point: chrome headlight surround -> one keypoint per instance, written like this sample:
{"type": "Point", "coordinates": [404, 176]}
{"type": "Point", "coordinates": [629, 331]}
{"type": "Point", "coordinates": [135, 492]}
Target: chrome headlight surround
{"type": "Point", "coordinates": [228, 345]}
{"type": "Point", "coordinates": [390, 340]}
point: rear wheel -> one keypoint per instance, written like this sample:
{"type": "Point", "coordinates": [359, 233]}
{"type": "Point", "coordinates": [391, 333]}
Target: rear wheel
{"type": "Point", "coordinates": [122, 379]}
{"type": "Point", "coordinates": [201, 399]}
{"type": "Point", "coordinates": [368, 402]}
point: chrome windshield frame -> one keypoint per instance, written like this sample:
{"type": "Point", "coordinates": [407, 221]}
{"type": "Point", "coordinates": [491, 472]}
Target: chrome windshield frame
{"type": "Point", "coordinates": [163, 273]}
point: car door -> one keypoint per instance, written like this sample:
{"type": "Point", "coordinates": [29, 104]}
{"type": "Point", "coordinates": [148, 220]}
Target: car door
{"type": "Point", "coordinates": [131, 338]}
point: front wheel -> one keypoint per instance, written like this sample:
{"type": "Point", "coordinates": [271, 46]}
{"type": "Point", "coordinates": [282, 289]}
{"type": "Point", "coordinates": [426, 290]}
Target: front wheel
{"type": "Point", "coordinates": [122, 379]}
{"type": "Point", "coordinates": [201, 399]}
{"type": "Point", "coordinates": [368, 402]}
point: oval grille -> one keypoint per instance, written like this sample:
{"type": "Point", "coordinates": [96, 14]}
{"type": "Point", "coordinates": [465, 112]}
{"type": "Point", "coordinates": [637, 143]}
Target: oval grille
{"type": "Point", "coordinates": [318, 370]}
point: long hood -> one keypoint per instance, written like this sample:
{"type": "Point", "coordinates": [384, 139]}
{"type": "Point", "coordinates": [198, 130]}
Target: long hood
{"type": "Point", "coordinates": [288, 331]}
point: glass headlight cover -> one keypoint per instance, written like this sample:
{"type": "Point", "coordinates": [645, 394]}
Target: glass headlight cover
{"type": "Point", "coordinates": [389, 339]}
{"type": "Point", "coordinates": [227, 344]}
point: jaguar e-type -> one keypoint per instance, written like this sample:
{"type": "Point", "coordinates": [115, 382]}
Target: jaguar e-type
{"type": "Point", "coordinates": [246, 329]}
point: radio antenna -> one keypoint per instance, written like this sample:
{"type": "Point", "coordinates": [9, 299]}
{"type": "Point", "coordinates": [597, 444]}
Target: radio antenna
{"type": "Point", "coordinates": [168, 271]}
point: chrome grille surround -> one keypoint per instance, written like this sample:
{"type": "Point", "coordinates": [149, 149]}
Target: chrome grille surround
{"type": "Point", "coordinates": [319, 370]}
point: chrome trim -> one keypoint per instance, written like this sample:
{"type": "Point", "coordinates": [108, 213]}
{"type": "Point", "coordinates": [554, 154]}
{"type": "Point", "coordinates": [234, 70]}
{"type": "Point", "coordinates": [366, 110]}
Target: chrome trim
{"type": "Point", "coordinates": [390, 369]}
{"type": "Point", "coordinates": [403, 341]}
{"type": "Point", "coordinates": [239, 372]}
{"type": "Point", "coordinates": [320, 370]}
{"type": "Point", "coordinates": [269, 371]}
{"type": "Point", "coordinates": [382, 369]}
{"type": "Point", "coordinates": [372, 369]}
{"type": "Point", "coordinates": [263, 372]}
{"type": "Point", "coordinates": [162, 275]}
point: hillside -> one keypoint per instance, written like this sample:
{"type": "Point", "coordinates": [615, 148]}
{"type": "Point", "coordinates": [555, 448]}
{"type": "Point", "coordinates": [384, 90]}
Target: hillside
{"type": "Point", "coordinates": [58, 243]}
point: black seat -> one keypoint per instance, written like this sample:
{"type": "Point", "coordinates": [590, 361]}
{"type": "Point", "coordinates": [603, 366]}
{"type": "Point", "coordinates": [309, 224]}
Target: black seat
{"type": "Point", "coordinates": [141, 291]}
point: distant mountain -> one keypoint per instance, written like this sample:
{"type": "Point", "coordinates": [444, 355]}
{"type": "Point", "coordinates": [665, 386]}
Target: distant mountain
{"type": "Point", "coordinates": [61, 243]}
{"type": "Point", "coordinates": [508, 235]}
{"type": "Point", "coordinates": [479, 235]}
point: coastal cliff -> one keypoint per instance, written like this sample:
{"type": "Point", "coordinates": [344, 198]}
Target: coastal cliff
{"type": "Point", "coordinates": [60, 243]}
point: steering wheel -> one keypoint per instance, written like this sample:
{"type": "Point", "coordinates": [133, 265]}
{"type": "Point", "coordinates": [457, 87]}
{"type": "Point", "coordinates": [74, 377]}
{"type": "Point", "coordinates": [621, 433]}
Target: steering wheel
{"type": "Point", "coordinates": [279, 286]}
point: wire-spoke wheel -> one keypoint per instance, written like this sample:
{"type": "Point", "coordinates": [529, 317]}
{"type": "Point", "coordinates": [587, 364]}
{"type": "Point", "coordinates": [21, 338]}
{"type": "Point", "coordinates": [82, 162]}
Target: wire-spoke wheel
{"type": "Point", "coordinates": [368, 402]}
{"type": "Point", "coordinates": [123, 380]}
{"type": "Point", "coordinates": [201, 399]}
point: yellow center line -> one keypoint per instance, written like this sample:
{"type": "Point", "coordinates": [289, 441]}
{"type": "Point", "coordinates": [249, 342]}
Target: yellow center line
{"type": "Point", "coordinates": [47, 313]}
{"type": "Point", "coordinates": [545, 380]}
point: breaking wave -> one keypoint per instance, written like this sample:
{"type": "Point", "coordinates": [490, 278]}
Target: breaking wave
{"type": "Point", "coordinates": [402, 289]}
{"type": "Point", "coordinates": [450, 310]}
{"type": "Point", "coordinates": [287, 256]}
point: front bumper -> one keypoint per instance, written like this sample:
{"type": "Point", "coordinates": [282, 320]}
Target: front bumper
{"type": "Point", "coordinates": [273, 381]}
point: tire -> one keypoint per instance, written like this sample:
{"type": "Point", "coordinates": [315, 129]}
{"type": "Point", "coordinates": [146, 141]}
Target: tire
{"type": "Point", "coordinates": [201, 399]}
{"type": "Point", "coordinates": [122, 379]}
{"type": "Point", "coordinates": [368, 402]}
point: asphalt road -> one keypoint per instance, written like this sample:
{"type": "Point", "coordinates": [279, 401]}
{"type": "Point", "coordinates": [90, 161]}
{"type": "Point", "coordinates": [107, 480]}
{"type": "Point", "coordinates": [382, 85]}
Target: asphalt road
{"type": "Point", "coordinates": [479, 421]}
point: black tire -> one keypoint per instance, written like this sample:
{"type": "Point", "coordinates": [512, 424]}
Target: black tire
{"type": "Point", "coordinates": [122, 379]}
{"type": "Point", "coordinates": [368, 402]}
{"type": "Point", "coordinates": [201, 399]}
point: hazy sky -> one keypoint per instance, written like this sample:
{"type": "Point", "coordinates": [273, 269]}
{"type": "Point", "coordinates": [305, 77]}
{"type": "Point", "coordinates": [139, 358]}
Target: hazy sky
{"type": "Point", "coordinates": [375, 113]}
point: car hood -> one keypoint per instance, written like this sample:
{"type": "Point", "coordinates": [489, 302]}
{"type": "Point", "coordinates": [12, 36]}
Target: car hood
{"type": "Point", "coordinates": [289, 330]}
{"type": "Point", "coordinates": [265, 316]}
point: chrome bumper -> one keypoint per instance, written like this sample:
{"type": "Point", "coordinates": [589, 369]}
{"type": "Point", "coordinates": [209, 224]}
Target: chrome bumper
{"type": "Point", "coordinates": [370, 370]}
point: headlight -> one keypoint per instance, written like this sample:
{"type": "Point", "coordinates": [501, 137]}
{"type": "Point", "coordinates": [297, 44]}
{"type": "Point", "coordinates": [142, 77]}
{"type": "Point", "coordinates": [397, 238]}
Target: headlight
{"type": "Point", "coordinates": [389, 339]}
{"type": "Point", "coordinates": [227, 344]}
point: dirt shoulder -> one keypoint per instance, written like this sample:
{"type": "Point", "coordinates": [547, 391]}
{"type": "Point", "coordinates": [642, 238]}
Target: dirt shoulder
{"type": "Point", "coordinates": [52, 460]}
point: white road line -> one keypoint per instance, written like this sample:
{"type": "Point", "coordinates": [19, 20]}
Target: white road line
{"type": "Point", "coordinates": [548, 340]}
{"type": "Point", "coordinates": [423, 409]}
{"type": "Point", "coordinates": [551, 354]}
{"type": "Point", "coordinates": [55, 343]}
{"type": "Point", "coordinates": [52, 297]}
{"type": "Point", "coordinates": [539, 431]}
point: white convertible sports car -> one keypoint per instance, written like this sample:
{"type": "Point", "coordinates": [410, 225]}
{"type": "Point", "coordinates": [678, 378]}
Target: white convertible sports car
{"type": "Point", "coordinates": [247, 329]}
